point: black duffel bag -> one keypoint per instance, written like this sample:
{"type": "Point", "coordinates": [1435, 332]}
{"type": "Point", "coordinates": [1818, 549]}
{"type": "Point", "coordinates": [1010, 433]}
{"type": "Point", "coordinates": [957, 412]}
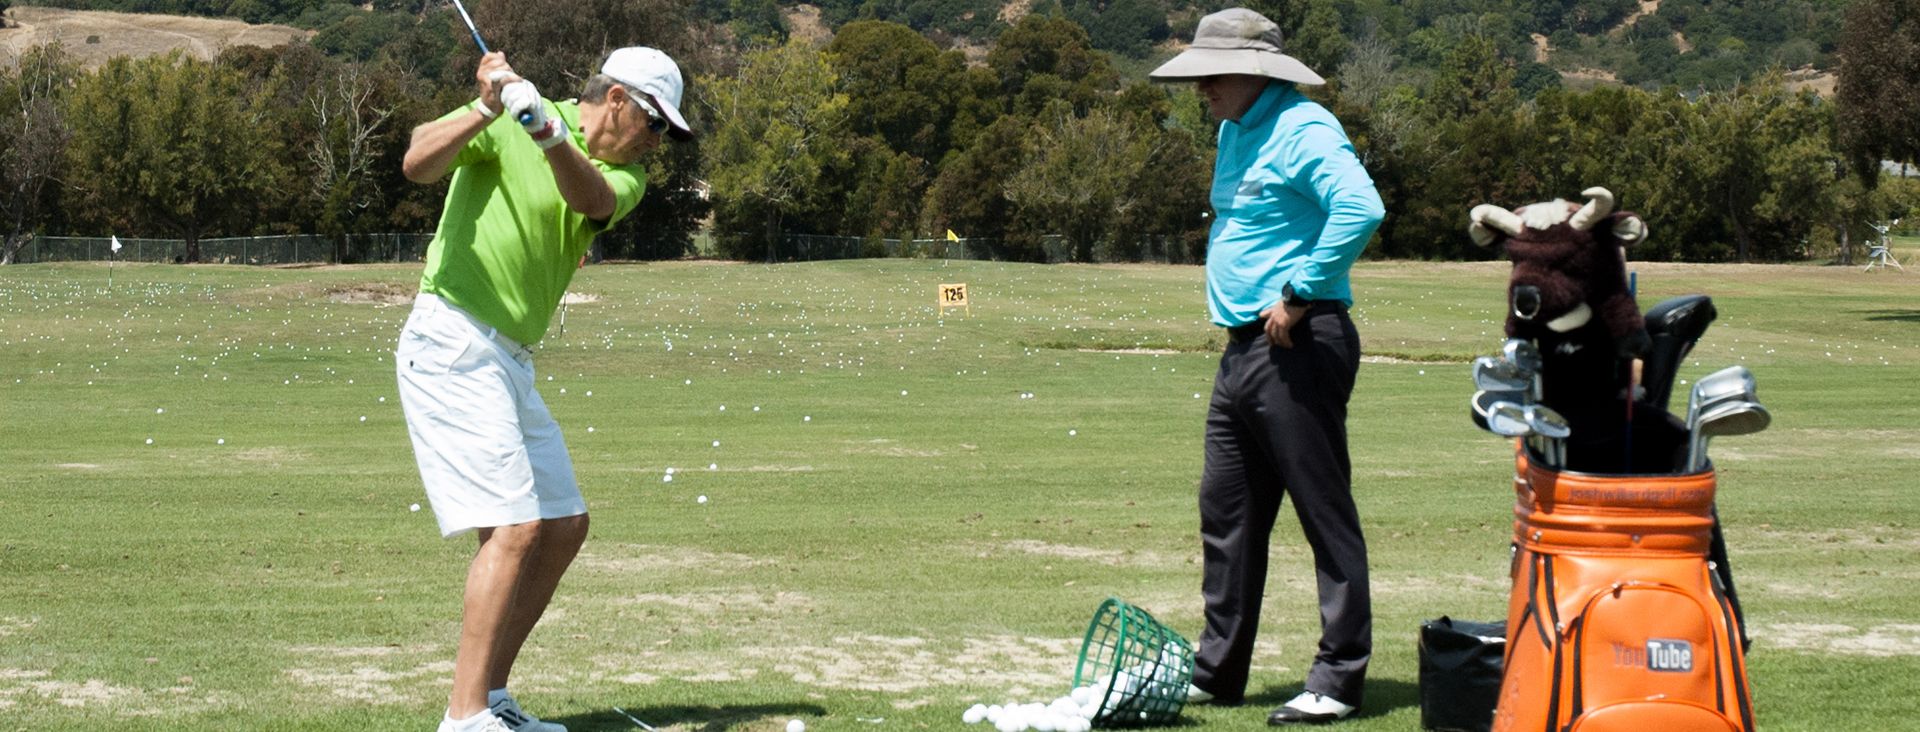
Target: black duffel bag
{"type": "Point", "coordinates": [1460, 663]}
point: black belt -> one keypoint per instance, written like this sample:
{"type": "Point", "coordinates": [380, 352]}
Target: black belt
{"type": "Point", "coordinates": [1250, 331]}
{"type": "Point", "coordinates": [1258, 328]}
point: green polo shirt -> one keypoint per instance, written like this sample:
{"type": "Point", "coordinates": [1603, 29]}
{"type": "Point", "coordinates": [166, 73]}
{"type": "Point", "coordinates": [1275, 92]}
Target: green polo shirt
{"type": "Point", "coordinates": [507, 244]}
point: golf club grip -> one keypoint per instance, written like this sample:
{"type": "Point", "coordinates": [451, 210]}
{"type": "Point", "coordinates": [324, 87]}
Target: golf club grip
{"type": "Point", "coordinates": [526, 117]}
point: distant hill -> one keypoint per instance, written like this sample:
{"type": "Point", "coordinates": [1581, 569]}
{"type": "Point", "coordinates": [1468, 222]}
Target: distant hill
{"type": "Point", "coordinates": [93, 36]}
{"type": "Point", "coordinates": [1578, 43]}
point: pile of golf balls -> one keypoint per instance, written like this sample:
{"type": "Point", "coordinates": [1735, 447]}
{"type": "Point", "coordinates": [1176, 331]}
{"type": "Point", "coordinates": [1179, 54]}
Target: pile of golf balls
{"type": "Point", "coordinates": [1071, 713]}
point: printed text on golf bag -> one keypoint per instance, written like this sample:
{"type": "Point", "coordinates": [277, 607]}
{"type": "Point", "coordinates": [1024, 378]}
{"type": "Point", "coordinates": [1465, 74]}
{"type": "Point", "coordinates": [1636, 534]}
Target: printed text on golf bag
{"type": "Point", "coordinates": [1616, 621]}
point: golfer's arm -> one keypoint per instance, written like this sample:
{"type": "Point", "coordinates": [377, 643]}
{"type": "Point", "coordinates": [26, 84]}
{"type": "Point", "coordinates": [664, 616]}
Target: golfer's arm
{"type": "Point", "coordinates": [581, 184]}
{"type": "Point", "coordinates": [435, 144]}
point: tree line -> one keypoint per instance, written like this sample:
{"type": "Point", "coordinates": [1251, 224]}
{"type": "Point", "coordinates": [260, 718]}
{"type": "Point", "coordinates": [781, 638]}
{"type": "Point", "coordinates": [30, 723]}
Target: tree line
{"type": "Point", "coordinates": [882, 133]}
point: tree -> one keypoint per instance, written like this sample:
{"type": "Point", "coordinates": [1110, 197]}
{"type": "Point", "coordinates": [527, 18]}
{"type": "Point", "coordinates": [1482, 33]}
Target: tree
{"type": "Point", "coordinates": [1309, 30]}
{"type": "Point", "coordinates": [351, 116]}
{"type": "Point", "coordinates": [969, 193]}
{"type": "Point", "coordinates": [1044, 58]}
{"type": "Point", "coordinates": [899, 86]}
{"type": "Point", "coordinates": [33, 141]}
{"type": "Point", "coordinates": [173, 145]}
{"type": "Point", "coordinates": [559, 49]}
{"type": "Point", "coordinates": [776, 125]}
{"type": "Point", "coordinates": [1879, 91]}
{"type": "Point", "coordinates": [1078, 175]}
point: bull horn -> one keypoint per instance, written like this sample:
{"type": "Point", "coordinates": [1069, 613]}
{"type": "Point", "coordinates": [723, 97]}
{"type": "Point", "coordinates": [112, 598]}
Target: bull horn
{"type": "Point", "coordinates": [1599, 204]}
{"type": "Point", "coordinates": [1487, 216]}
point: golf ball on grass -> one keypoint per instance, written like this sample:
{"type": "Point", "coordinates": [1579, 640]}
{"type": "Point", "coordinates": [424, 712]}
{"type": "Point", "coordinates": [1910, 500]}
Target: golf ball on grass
{"type": "Point", "coordinates": [795, 725]}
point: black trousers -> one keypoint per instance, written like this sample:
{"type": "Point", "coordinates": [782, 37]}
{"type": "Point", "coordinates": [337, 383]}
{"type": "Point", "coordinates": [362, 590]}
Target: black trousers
{"type": "Point", "coordinates": [1276, 427]}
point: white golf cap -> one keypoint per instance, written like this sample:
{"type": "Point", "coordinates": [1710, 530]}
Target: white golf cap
{"type": "Point", "coordinates": [1236, 41]}
{"type": "Point", "coordinates": [652, 72]}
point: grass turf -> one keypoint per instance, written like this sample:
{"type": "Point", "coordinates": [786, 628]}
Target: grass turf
{"type": "Point", "coordinates": [894, 529]}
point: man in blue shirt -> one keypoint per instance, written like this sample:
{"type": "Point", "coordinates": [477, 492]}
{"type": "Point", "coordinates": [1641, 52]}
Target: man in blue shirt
{"type": "Point", "coordinates": [1293, 208]}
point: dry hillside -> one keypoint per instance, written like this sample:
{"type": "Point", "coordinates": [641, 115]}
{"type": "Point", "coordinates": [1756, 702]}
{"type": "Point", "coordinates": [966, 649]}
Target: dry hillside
{"type": "Point", "coordinates": [94, 36]}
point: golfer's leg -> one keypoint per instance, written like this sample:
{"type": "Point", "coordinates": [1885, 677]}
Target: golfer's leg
{"type": "Point", "coordinates": [498, 569]}
{"type": "Point", "coordinates": [559, 542]}
{"type": "Point", "coordinates": [563, 513]}
{"type": "Point", "coordinates": [1305, 408]}
{"type": "Point", "coordinates": [1238, 501]}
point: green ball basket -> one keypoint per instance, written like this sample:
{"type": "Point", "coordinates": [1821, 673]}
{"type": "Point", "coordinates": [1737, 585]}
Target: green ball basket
{"type": "Point", "coordinates": [1138, 668]}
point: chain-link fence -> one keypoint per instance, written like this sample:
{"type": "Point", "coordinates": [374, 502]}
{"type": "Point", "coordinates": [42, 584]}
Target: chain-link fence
{"type": "Point", "coordinates": [309, 249]}
{"type": "Point", "coordinates": [290, 249]}
{"type": "Point", "coordinates": [1053, 249]}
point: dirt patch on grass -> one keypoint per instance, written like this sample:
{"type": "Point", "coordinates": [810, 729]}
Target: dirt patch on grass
{"type": "Point", "coordinates": [1108, 557]}
{"type": "Point", "coordinates": [374, 293]}
{"type": "Point", "coordinates": [11, 625]}
{"type": "Point", "coordinates": [352, 651]}
{"type": "Point", "coordinates": [364, 684]}
{"type": "Point", "coordinates": [270, 455]}
{"type": "Point", "coordinates": [72, 694]}
{"type": "Point", "coordinates": [628, 558]}
{"type": "Point", "coordinates": [716, 603]}
{"type": "Point", "coordinates": [92, 36]}
{"type": "Point", "coordinates": [886, 448]}
{"type": "Point", "coordinates": [1885, 640]}
{"type": "Point", "coordinates": [890, 664]}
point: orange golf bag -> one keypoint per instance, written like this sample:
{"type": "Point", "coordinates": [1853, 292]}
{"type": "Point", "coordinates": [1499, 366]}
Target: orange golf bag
{"type": "Point", "coordinates": [1616, 620]}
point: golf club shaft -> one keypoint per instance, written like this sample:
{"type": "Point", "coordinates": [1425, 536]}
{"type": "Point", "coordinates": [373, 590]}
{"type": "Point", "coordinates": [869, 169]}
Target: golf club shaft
{"type": "Point", "coordinates": [525, 117]}
{"type": "Point", "coordinates": [470, 27]}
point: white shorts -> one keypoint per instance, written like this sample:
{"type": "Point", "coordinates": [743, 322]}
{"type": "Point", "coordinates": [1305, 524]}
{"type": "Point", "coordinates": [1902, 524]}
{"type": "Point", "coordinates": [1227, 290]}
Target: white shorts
{"type": "Point", "coordinates": [490, 453]}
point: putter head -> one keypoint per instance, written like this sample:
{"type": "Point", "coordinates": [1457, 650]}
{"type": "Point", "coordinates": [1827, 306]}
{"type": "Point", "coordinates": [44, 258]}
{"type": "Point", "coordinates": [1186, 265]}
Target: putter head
{"type": "Point", "coordinates": [1547, 423]}
{"type": "Point", "coordinates": [1492, 374]}
{"type": "Point", "coordinates": [1508, 419]}
{"type": "Point", "coordinates": [1743, 417]}
{"type": "Point", "coordinates": [1524, 356]}
{"type": "Point", "coordinates": [1484, 400]}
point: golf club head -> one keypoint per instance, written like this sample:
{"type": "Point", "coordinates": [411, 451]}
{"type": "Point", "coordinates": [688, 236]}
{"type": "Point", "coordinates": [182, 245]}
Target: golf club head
{"type": "Point", "coordinates": [1547, 423]}
{"type": "Point", "coordinates": [1508, 419]}
{"type": "Point", "coordinates": [1718, 386]}
{"type": "Point", "coordinates": [1734, 418]}
{"type": "Point", "coordinates": [1492, 374]}
{"type": "Point", "coordinates": [1674, 326]}
{"type": "Point", "coordinates": [1727, 418]}
{"type": "Point", "coordinates": [1524, 356]}
{"type": "Point", "coordinates": [1484, 400]}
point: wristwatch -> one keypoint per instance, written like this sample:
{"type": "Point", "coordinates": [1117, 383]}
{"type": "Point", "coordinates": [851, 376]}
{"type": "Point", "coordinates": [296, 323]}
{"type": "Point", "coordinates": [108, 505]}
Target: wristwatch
{"type": "Point", "coordinates": [1291, 298]}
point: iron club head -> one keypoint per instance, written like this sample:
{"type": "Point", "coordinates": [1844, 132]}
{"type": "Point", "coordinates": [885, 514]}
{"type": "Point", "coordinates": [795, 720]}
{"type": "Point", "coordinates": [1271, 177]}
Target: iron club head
{"type": "Point", "coordinates": [1492, 374]}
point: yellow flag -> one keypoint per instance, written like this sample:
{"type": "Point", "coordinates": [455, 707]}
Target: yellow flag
{"type": "Point", "coordinates": [952, 236]}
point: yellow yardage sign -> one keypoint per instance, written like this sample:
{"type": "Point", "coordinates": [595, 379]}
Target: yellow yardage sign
{"type": "Point", "coordinates": [954, 296]}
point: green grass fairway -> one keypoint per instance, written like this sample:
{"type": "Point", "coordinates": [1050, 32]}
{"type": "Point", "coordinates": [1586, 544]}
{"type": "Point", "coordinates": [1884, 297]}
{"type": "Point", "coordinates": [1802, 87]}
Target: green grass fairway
{"type": "Point", "coordinates": [893, 528]}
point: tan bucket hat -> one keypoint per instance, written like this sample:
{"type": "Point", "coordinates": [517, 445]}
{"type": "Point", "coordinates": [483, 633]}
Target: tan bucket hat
{"type": "Point", "coordinates": [1236, 41]}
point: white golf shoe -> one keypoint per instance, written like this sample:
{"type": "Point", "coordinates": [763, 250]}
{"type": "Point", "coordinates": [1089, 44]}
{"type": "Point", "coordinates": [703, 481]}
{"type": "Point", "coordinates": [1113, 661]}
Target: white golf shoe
{"type": "Point", "coordinates": [516, 719]}
{"type": "Point", "coordinates": [1310, 708]}
{"type": "Point", "coordinates": [492, 724]}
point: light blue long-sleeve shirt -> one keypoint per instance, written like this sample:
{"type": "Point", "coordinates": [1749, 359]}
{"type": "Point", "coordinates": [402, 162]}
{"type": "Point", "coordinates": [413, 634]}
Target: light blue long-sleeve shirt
{"type": "Point", "coordinates": [1291, 203]}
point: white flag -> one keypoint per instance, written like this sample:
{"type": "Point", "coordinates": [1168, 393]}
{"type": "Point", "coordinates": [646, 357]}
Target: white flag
{"type": "Point", "coordinates": [116, 244]}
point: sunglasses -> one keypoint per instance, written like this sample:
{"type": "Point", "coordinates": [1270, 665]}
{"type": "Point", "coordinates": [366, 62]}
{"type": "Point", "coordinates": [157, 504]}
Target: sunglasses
{"type": "Point", "coordinates": [656, 122]}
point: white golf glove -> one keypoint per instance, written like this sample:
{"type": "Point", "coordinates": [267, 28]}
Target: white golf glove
{"type": "Point", "coordinates": [523, 101]}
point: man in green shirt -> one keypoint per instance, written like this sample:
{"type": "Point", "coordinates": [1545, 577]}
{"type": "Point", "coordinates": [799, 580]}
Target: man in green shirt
{"type": "Point", "coordinates": [533, 182]}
